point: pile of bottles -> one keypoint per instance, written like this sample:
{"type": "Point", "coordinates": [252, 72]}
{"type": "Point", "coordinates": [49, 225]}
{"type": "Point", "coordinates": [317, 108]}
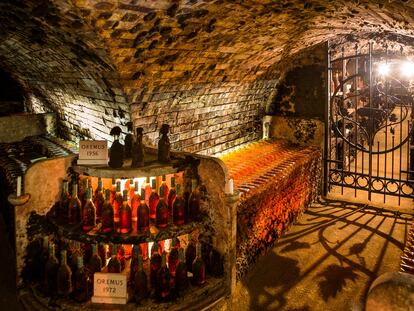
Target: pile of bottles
{"type": "Point", "coordinates": [131, 204]}
{"type": "Point", "coordinates": [162, 270]}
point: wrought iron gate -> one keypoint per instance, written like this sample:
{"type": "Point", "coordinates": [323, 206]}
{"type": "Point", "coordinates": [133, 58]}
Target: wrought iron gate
{"type": "Point", "coordinates": [368, 128]}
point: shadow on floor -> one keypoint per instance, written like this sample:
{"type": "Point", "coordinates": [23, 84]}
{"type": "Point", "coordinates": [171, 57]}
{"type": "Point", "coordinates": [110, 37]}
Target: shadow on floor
{"type": "Point", "coordinates": [333, 262]}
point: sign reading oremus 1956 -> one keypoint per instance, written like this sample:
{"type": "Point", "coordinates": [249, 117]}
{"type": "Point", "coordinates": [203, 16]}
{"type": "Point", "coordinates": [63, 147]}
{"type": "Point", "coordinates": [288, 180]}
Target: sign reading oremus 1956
{"type": "Point", "coordinates": [109, 288]}
{"type": "Point", "coordinates": [93, 152]}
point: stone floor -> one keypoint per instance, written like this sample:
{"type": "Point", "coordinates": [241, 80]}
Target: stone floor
{"type": "Point", "coordinates": [327, 261]}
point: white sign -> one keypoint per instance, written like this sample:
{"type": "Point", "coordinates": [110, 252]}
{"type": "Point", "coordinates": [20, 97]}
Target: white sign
{"type": "Point", "coordinates": [93, 152]}
{"type": "Point", "coordinates": [109, 288]}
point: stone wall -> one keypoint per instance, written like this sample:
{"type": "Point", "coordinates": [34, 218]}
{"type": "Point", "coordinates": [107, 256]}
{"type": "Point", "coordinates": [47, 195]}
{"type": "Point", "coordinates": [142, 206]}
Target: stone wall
{"type": "Point", "coordinates": [61, 67]}
{"type": "Point", "coordinates": [208, 118]}
{"type": "Point", "coordinates": [15, 128]}
{"type": "Point", "coordinates": [93, 62]}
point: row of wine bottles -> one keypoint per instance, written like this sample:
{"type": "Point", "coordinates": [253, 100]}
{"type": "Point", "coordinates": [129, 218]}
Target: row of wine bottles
{"type": "Point", "coordinates": [157, 273]}
{"type": "Point", "coordinates": [133, 207]}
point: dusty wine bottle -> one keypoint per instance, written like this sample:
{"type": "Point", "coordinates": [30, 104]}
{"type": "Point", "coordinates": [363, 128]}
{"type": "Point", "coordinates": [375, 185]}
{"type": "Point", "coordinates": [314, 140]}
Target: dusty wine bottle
{"type": "Point", "coordinates": [190, 253]}
{"type": "Point", "coordinates": [64, 202]}
{"type": "Point", "coordinates": [138, 153]}
{"type": "Point", "coordinates": [74, 208]}
{"type": "Point", "coordinates": [155, 264]}
{"type": "Point", "coordinates": [162, 288]}
{"type": "Point", "coordinates": [165, 189]}
{"type": "Point", "coordinates": [173, 257]}
{"type": "Point", "coordinates": [80, 287]}
{"type": "Point", "coordinates": [113, 190]}
{"type": "Point", "coordinates": [89, 212]}
{"type": "Point", "coordinates": [171, 196]}
{"type": "Point", "coordinates": [99, 199]}
{"type": "Point", "coordinates": [114, 266]}
{"type": "Point", "coordinates": [194, 201]}
{"type": "Point", "coordinates": [162, 211]}
{"type": "Point", "coordinates": [129, 140]}
{"type": "Point", "coordinates": [135, 201]}
{"type": "Point", "coordinates": [51, 270]}
{"type": "Point", "coordinates": [164, 153]}
{"type": "Point", "coordinates": [107, 217]}
{"type": "Point", "coordinates": [140, 284]}
{"type": "Point", "coordinates": [153, 202]}
{"type": "Point", "coordinates": [125, 215]}
{"type": "Point", "coordinates": [102, 251]}
{"type": "Point", "coordinates": [179, 208]}
{"type": "Point", "coordinates": [116, 151]}
{"type": "Point", "coordinates": [95, 263]}
{"type": "Point", "coordinates": [143, 214]}
{"type": "Point", "coordinates": [181, 278]}
{"type": "Point", "coordinates": [64, 277]}
{"type": "Point", "coordinates": [120, 253]}
{"type": "Point", "coordinates": [133, 268]}
{"type": "Point", "coordinates": [117, 202]}
{"type": "Point", "coordinates": [199, 268]}
{"type": "Point", "coordinates": [148, 190]}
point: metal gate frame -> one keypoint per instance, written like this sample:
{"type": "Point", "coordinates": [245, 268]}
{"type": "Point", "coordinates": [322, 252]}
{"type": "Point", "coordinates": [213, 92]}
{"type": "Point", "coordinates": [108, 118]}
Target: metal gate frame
{"type": "Point", "coordinates": [355, 133]}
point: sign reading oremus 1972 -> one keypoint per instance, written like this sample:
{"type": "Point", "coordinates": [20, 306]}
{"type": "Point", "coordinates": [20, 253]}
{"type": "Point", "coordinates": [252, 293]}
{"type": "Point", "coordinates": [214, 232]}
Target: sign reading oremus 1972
{"type": "Point", "coordinates": [109, 288]}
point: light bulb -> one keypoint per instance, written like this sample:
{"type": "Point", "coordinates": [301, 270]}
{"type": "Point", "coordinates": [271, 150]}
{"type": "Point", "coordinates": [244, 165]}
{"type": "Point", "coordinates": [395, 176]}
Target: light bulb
{"type": "Point", "coordinates": [407, 69]}
{"type": "Point", "coordinates": [383, 69]}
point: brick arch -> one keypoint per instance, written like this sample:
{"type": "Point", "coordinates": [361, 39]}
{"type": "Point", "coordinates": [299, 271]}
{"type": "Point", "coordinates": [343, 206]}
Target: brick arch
{"type": "Point", "coordinates": [206, 67]}
{"type": "Point", "coordinates": [55, 56]}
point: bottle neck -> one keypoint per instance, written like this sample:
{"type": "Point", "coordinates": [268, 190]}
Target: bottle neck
{"type": "Point", "coordinates": [198, 250]}
{"type": "Point", "coordinates": [80, 262]}
{"type": "Point", "coordinates": [51, 250]}
{"type": "Point", "coordinates": [193, 184]}
{"type": "Point", "coordinates": [140, 263]}
{"type": "Point", "coordinates": [88, 194]}
{"type": "Point", "coordinates": [94, 249]}
{"type": "Point", "coordinates": [65, 187]}
{"type": "Point", "coordinates": [164, 260]}
{"type": "Point", "coordinates": [118, 186]}
{"type": "Point", "coordinates": [125, 196]}
{"type": "Point", "coordinates": [45, 242]}
{"type": "Point", "coordinates": [107, 194]}
{"type": "Point", "coordinates": [113, 250]}
{"type": "Point", "coordinates": [181, 255]}
{"type": "Point", "coordinates": [99, 185]}
{"type": "Point", "coordinates": [154, 186]}
{"type": "Point", "coordinates": [75, 191]}
{"type": "Point", "coordinates": [63, 258]}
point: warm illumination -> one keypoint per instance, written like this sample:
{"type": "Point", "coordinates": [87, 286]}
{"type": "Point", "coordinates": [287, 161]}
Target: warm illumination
{"type": "Point", "coordinates": [383, 69]}
{"type": "Point", "coordinates": [407, 69]}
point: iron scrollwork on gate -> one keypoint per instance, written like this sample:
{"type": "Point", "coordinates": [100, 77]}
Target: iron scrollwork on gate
{"type": "Point", "coordinates": [369, 136]}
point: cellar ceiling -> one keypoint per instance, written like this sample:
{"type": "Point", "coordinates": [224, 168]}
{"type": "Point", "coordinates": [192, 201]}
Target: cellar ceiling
{"type": "Point", "coordinates": [116, 51]}
{"type": "Point", "coordinates": [170, 42]}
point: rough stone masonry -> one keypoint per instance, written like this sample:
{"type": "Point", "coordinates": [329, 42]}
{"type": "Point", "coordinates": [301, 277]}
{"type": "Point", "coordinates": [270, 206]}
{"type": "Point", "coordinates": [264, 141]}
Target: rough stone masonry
{"type": "Point", "coordinates": [208, 68]}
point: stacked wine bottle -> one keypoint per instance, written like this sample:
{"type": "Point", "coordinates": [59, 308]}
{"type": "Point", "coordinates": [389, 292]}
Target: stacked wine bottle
{"type": "Point", "coordinates": [129, 205]}
{"type": "Point", "coordinates": [161, 270]}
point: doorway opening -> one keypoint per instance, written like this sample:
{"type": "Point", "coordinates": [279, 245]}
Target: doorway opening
{"type": "Point", "coordinates": [369, 141]}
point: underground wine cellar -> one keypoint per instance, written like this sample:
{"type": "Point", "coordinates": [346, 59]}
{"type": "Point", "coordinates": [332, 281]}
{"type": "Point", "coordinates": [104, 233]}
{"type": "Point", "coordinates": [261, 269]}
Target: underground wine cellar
{"type": "Point", "coordinates": [206, 155]}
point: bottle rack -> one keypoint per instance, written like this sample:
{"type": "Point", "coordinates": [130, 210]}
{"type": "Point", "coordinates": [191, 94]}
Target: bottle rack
{"type": "Point", "coordinates": [213, 223]}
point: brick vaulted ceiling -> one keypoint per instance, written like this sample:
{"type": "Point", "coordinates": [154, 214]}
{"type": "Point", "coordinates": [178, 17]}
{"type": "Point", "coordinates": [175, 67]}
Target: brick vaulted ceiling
{"type": "Point", "coordinates": [206, 67]}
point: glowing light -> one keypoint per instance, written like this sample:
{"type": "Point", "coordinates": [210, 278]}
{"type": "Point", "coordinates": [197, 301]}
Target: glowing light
{"type": "Point", "coordinates": [407, 69]}
{"type": "Point", "coordinates": [383, 69]}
